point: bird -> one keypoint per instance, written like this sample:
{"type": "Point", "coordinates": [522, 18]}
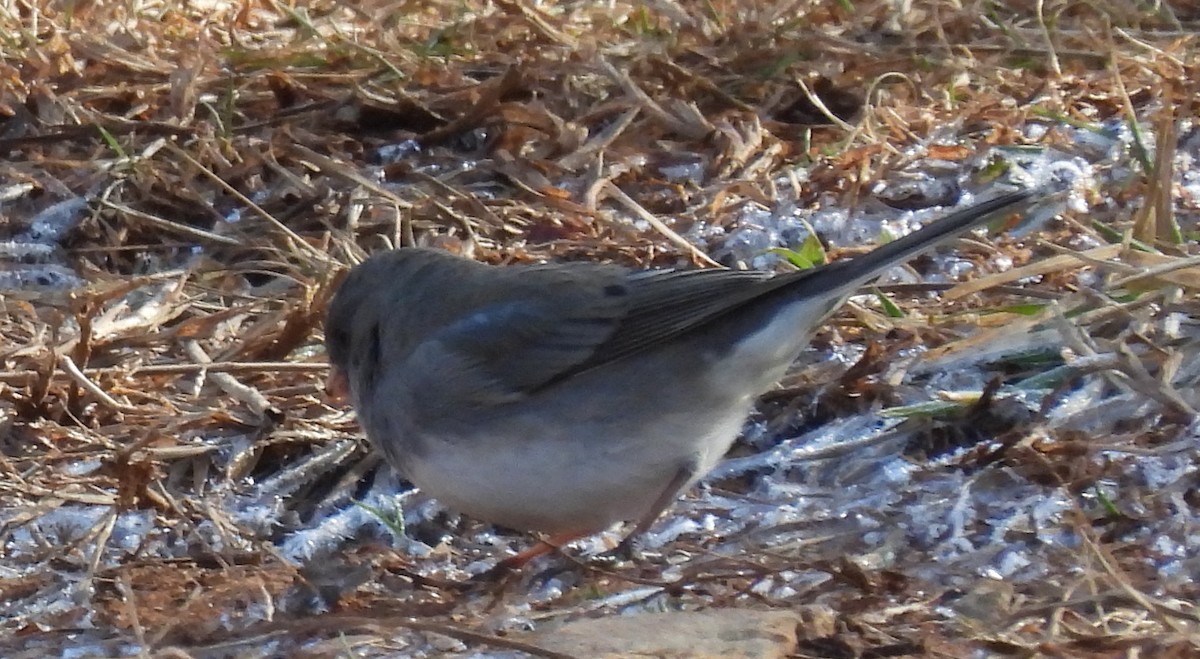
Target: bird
{"type": "Point", "coordinates": [563, 398]}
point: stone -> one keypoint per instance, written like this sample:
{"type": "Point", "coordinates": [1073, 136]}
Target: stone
{"type": "Point", "coordinates": [716, 633]}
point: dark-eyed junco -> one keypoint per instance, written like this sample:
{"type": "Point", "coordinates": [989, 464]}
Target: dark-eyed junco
{"type": "Point", "coordinates": [563, 398]}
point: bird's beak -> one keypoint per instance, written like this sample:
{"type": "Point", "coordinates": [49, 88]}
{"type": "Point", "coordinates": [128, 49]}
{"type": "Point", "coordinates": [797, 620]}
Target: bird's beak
{"type": "Point", "coordinates": [337, 386]}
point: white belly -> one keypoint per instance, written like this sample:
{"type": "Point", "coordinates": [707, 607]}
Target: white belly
{"type": "Point", "coordinates": [567, 484]}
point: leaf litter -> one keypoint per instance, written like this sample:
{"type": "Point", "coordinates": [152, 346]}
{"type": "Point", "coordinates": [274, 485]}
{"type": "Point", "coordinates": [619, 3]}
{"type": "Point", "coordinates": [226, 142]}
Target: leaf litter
{"type": "Point", "coordinates": [993, 452]}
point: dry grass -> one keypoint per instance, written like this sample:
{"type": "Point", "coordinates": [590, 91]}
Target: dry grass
{"type": "Point", "coordinates": [235, 158]}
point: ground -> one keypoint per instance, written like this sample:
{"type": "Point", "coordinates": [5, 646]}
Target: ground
{"type": "Point", "coordinates": [993, 452]}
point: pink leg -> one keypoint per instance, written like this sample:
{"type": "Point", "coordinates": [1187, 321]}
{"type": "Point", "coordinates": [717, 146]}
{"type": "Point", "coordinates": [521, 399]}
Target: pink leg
{"type": "Point", "coordinates": [667, 497]}
{"type": "Point", "coordinates": [542, 547]}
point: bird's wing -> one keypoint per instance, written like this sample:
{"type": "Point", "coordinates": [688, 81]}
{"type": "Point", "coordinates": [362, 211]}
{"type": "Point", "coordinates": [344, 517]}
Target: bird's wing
{"type": "Point", "coordinates": [664, 304]}
{"type": "Point", "coordinates": [550, 323]}
{"type": "Point", "coordinates": [514, 347]}
{"type": "Point", "coordinates": [540, 326]}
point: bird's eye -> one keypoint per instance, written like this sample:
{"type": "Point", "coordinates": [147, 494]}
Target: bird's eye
{"type": "Point", "coordinates": [337, 342]}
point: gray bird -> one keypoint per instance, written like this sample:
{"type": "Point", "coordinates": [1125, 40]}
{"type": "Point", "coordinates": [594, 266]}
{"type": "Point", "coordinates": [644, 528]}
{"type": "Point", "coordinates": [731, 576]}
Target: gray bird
{"type": "Point", "coordinates": [563, 398]}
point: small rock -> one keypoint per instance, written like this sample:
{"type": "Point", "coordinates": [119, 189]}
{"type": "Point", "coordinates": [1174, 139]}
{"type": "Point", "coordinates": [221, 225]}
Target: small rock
{"type": "Point", "coordinates": [677, 635]}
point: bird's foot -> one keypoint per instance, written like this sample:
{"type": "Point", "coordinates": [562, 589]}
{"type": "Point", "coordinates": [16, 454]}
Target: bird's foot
{"type": "Point", "coordinates": [626, 551]}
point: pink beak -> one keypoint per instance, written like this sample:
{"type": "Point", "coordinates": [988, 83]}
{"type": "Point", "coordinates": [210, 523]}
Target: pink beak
{"type": "Point", "coordinates": [337, 387]}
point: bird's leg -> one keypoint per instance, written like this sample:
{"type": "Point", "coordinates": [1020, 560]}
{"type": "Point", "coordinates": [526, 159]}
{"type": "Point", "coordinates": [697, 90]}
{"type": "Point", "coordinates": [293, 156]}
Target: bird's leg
{"type": "Point", "coordinates": [626, 550]}
{"type": "Point", "coordinates": [551, 543]}
{"type": "Point", "coordinates": [623, 551]}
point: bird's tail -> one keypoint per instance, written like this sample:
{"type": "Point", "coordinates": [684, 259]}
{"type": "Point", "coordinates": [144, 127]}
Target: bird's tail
{"type": "Point", "coordinates": [843, 276]}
